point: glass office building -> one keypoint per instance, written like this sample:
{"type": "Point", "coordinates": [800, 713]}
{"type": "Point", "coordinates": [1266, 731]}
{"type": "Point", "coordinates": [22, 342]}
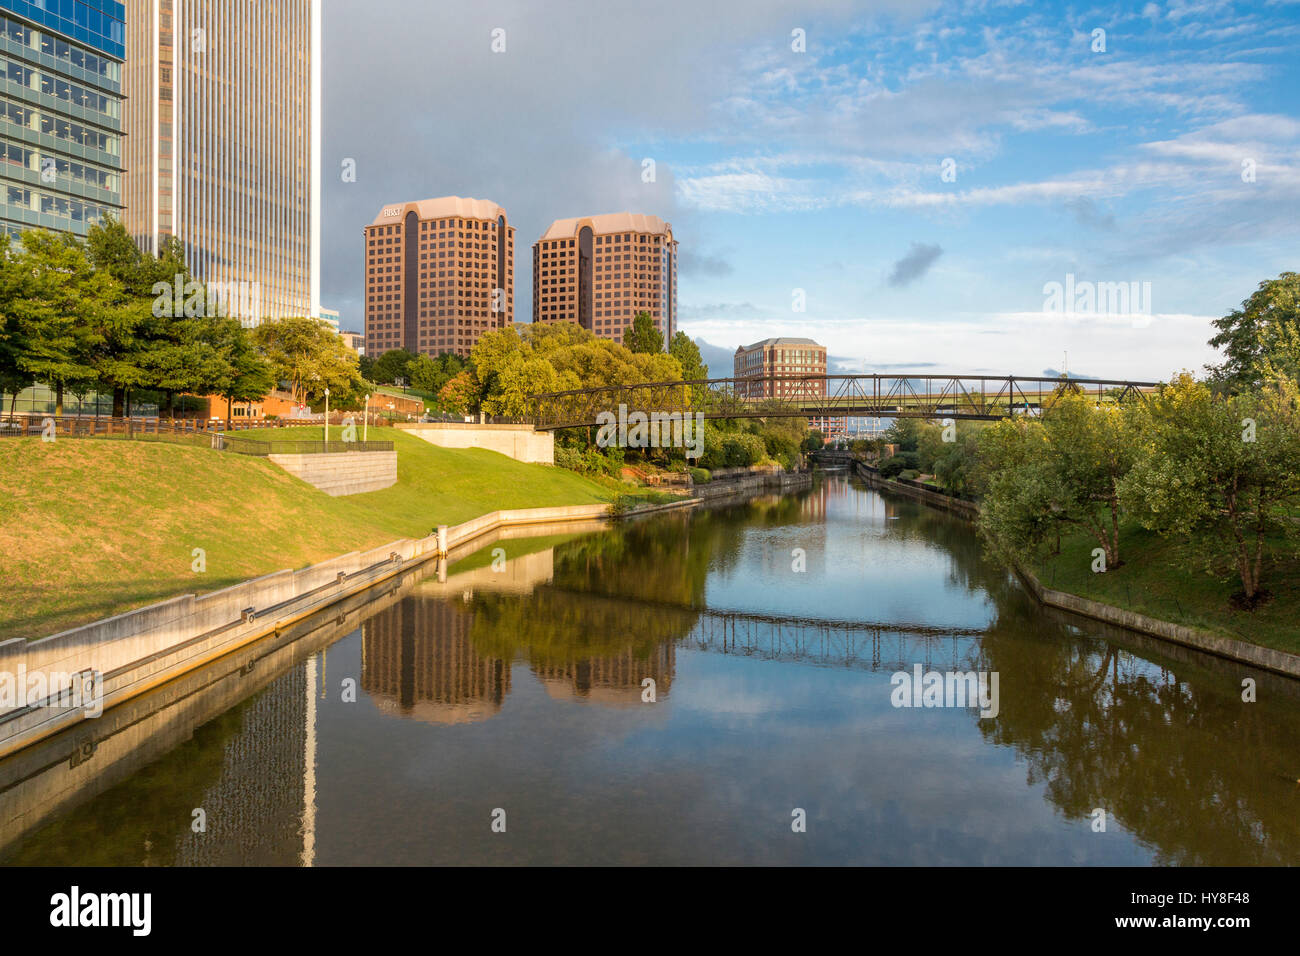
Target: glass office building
{"type": "Point", "coordinates": [60, 113]}
{"type": "Point", "coordinates": [223, 118]}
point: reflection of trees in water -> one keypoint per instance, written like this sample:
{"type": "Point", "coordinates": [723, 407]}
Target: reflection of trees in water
{"type": "Point", "coordinates": [667, 558]}
{"type": "Point", "coordinates": [1185, 765]}
{"type": "Point", "coordinates": [621, 599]}
{"type": "Point", "coordinates": [554, 627]}
{"type": "Point", "coordinates": [1190, 769]}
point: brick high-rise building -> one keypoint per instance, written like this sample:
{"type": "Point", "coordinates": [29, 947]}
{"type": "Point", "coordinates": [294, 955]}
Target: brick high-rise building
{"type": "Point", "coordinates": [783, 356]}
{"type": "Point", "coordinates": [439, 273]}
{"type": "Point", "coordinates": [786, 357]}
{"type": "Point", "coordinates": [600, 271]}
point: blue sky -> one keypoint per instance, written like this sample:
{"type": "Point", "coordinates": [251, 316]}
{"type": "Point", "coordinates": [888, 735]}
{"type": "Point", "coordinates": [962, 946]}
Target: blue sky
{"type": "Point", "coordinates": [1169, 158]}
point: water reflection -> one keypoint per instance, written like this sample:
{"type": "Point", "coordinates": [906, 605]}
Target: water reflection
{"type": "Point", "coordinates": [523, 687]}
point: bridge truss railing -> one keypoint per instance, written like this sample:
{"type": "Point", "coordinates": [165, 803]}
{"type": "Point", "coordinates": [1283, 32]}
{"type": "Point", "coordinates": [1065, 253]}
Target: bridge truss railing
{"type": "Point", "coordinates": [868, 396]}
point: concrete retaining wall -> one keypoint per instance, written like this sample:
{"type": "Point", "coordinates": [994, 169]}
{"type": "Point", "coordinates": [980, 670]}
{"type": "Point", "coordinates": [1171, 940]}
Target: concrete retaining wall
{"type": "Point", "coordinates": [958, 506]}
{"type": "Point", "coordinates": [754, 483]}
{"type": "Point", "coordinates": [139, 650]}
{"type": "Point", "coordinates": [343, 473]}
{"type": "Point", "coordinates": [520, 442]}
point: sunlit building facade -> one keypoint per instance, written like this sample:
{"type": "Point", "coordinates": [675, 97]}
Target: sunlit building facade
{"type": "Point", "coordinates": [439, 273]}
{"type": "Point", "coordinates": [223, 137]}
{"type": "Point", "coordinates": [60, 113]}
{"type": "Point", "coordinates": [600, 271]}
{"type": "Point", "coordinates": [772, 369]}
{"type": "Point", "coordinates": [767, 369]}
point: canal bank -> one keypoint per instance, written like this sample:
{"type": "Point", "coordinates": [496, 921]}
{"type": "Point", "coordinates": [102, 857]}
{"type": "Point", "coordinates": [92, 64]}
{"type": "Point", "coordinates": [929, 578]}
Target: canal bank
{"type": "Point", "coordinates": [1266, 658]}
{"type": "Point", "coordinates": [58, 681]}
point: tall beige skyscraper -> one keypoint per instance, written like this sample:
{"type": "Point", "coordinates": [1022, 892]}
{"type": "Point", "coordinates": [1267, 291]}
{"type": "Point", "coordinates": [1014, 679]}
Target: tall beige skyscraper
{"type": "Point", "coordinates": [222, 147]}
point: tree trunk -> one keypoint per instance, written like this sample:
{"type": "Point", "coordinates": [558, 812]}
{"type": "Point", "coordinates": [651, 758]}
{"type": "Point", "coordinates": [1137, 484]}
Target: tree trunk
{"type": "Point", "coordinates": [229, 403]}
{"type": "Point", "coordinates": [58, 399]}
{"type": "Point", "coordinates": [119, 402]}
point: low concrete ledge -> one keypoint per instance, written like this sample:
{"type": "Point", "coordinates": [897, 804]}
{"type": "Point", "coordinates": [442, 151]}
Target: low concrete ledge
{"type": "Point", "coordinates": [958, 506]}
{"type": "Point", "coordinates": [520, 442]}
{"type": "Point", "coordinates": [342, 473]}
{"type": "Point", "coordinates": [748, 483]}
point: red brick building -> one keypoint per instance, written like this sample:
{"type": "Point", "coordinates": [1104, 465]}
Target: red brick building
{"type": "Point", "coordinates": [439, 273]}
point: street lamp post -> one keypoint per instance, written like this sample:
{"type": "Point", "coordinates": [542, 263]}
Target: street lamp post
{"type": "Point", "coordinates": [327, 416]}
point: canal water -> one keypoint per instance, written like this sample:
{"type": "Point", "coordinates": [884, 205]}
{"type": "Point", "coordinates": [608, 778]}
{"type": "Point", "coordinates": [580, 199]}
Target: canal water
{"type": "Point", "coordinates": [707, 687]}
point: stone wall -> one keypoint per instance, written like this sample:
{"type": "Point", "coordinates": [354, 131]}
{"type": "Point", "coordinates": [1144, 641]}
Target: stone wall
{"type": "Point", "coordinates": [343, 473]}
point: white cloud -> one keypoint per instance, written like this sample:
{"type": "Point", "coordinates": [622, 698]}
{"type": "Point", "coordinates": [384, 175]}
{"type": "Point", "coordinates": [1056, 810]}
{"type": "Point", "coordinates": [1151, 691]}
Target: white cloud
{"type": "Point", "coordinates": [1024, 343]}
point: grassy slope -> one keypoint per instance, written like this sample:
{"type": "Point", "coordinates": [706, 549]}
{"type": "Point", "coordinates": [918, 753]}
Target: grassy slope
{"type": "Point", "coordinates": [92, 527]}
{"type": "Point", "coordinates": [1161, 579]}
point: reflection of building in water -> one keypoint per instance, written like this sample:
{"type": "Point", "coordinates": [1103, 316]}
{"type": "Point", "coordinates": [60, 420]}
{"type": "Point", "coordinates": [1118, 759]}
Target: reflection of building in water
{"type": "Point", "coordinates": [417, 661]}
{"type": "Point", "coordinates": [613, 680]}
{"type": "Point", "coordinates": [812, 507]}
{"type": "Point", "coordinates": [254, 811]}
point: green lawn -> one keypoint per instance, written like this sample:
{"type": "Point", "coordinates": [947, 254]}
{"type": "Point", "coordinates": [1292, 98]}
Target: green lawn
{"type": "Point", "coordinates": [93, 527]}
{"type": "Point", "coordinates": [1162, 579]}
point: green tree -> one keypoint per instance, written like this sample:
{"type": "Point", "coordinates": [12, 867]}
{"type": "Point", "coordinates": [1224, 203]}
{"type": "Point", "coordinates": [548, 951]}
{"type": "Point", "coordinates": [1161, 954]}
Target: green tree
{"type": "Point", "coordinates": [1220, 471]}
{"type": "Point", "coordinates": [49, 291]}
{"type": "Point", "coordinates": [393, 365]}
{"type": "Point", "coordinates": [1062, 470]}
{"type": "Point", "coordinates": [688, 356]}
{"type": "Point", "coordinates": [957, 464]}
{"type": "Point", "coordinates": [431, 374]}
{"type": "Point", "coordinates": [642, 336]}
{"type": "Point", "coordinates": [131, 330]}
{"type": "Point", "coordinates": [309, 355]}
{"type": "Point", "coordinates": [905, 433]}
{"type": "Point", "coordinates": [1262, 338]}
{"type": "Point", "coordinates": [814, 441]}
{"type": "Point", "coordinates": [245, 374]}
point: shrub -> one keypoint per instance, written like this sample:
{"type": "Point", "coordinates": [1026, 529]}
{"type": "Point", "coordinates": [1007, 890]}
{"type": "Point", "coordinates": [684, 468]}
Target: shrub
{"type": "Point", "coordinates": [569, 458]}
{"type": "Point", "coordinates": [781, 448]}
{"type": "Point", "coordinates": [701, 476]}
{"type": "Point", "coordinates": [908, 474]}
{"type": "Point", "coordinates": [741, 450]}
{"type": "Point", "coordinates": [890, 467]}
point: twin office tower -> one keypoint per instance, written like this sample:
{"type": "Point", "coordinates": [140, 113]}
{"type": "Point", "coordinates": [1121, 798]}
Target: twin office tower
{"type": "Point", "coordinates": [440, 273]}
{"type": "Point", "coordinates": [199, 119]}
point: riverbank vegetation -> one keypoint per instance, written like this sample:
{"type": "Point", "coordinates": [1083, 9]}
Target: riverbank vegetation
{"type": "Point", "coordinates": [91, 527]}
{"type": "Point", "coordinates": [1184, 504]}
